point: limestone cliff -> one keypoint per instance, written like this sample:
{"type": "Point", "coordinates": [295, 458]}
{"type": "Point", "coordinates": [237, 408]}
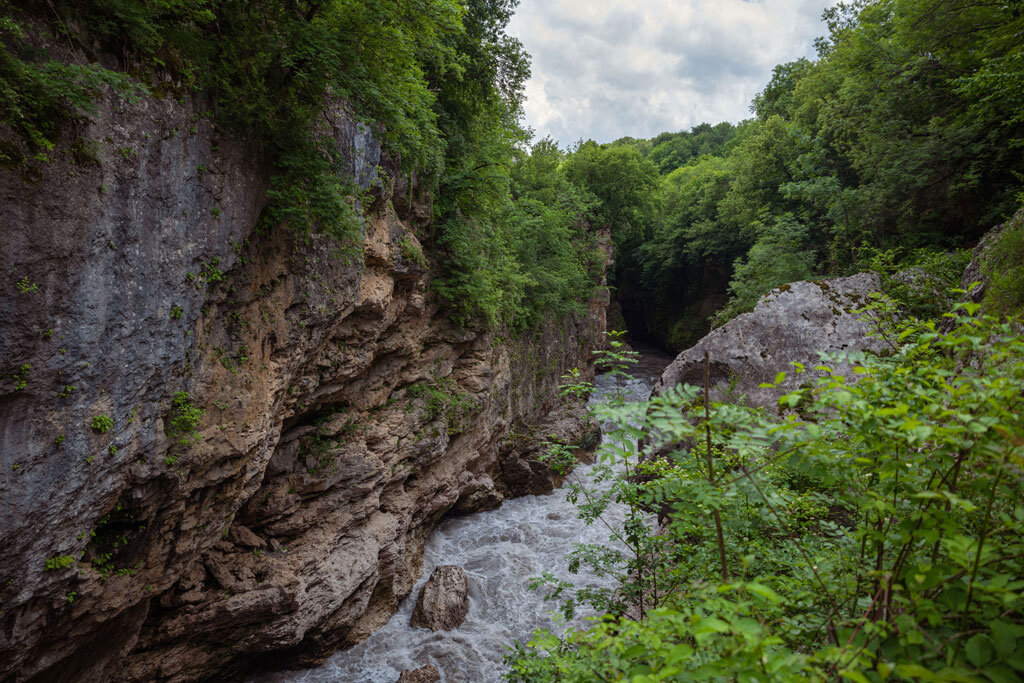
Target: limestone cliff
{"type": "Point", "coordinates": [223, 448]}
{"type": "Point", "coordinates": [793, 323]}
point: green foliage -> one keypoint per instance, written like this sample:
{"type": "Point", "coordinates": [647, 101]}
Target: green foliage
{"type": "Point", "coordinates": [26, 286]}
{"type": "Point", "coordinates": [537, 260]}
{"type": "Point", "coordinates": [183, 420]}
{"type": "Point", "coordinates": [101, 423]}
{"type": "Point", "coordinates": [670, 151]}
{"type": "Point", "coordinates": [1003, 265]}
{"type": "Point", "coordinates": [60, 562]}
{"type": "Point", "coordinates": [621, 179]}
{"type": "Point", "coordinates": [777, 257]}
{"type": "Point", "coordinates": [921, 280]}
{"type": "Point", "coordinates": [20, 377]}
{"type": "Point", "coordinates": [412, 252]}
{"type": "Point", "coordinates": [879, 534]}
{"type": "Point", "coordinates": [112, 545]}
{"type": "Point", "coordinates": [443, 400]}
{"type": "Point", "coordinates": [37, 93]}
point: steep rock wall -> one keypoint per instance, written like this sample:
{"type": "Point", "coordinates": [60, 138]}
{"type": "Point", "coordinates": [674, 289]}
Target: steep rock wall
{"type": "Point", "coordinates": [344, 415]}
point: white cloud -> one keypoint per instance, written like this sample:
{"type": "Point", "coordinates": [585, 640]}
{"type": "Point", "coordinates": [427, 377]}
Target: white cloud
{"type": "Point", "coordinates": [605, 69]}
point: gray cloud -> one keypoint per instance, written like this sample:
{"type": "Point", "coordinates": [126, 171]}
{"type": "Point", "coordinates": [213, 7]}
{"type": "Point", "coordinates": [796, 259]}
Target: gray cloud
{"type": "Point", "coordinates": [605, 69]}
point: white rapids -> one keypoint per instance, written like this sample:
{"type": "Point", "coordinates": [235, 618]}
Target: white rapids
{"type": "Point", "coordinates": [500, 551]}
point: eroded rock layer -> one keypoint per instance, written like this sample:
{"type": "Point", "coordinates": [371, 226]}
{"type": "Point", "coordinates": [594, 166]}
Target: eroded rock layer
{"type": "Point", "coordinates": [221, 448]}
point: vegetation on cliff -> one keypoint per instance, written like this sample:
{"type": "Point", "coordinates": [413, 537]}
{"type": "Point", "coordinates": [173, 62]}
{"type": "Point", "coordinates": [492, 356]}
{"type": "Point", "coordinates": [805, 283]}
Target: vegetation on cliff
{"type": "Point", "coordinates": [439, 80]}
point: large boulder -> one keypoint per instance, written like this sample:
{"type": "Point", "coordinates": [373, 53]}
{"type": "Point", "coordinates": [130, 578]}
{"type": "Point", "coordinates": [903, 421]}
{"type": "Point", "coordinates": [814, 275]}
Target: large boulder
{"type": "Point", "coordinates": [443, 601]}
{"type": "Point", "coordinates": [794, 322]}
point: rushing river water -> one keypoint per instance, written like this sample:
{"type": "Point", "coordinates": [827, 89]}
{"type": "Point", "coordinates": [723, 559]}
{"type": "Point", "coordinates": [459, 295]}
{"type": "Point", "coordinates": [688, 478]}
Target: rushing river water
{"type": "Point", "coordinates": [500, 550]}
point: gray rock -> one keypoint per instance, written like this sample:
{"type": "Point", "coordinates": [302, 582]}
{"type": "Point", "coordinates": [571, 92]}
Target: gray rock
{"type": "Point", "coordinates": [139, 275]}
{"type": "Point", "coordinates": [444, 600]}
{"type": "Point", "coordinates": [795, 322]}
{"type": "Point", "coordinates": [424, 674]}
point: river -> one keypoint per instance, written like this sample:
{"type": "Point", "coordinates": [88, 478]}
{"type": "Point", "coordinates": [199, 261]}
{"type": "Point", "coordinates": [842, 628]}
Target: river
{"type": "Point", "coordinates": [500, 550]}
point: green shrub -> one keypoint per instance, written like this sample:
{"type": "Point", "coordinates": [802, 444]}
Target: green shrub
{"type": "Point", "coordinates": [26, 286]}
{"type": "Point", "coordinates": [920, 280]}
{"type": "Point", "coordinates": [183, 420]}
{"type": "Point", "coordinates": [1003, 265]}
{"type": "Point", "coordinates": [58, 563]}
{"type": "Point", "coordinates": [412, 252]}
{"type": "Point", "coordinates": [101, 423]}
{"type": "Point", "coordinates": [443, 400]}
{"type": "Point", "coordinates": [879, 538]}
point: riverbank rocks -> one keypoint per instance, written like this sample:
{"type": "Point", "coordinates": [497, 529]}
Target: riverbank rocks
{"type": "Point", "coordinates": [795, 322]}
{"type": "Point", "coordinates": [444, 600]}
{"type": "Point", "coordinates": [424, 674]}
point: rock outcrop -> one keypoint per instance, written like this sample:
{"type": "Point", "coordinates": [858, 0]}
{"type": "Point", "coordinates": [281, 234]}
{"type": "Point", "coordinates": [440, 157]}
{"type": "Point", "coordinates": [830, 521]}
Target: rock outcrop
{"type": "Point", "coordinates": [443, 601]}
{"type": "Point", "coordinates": [795, 322]}
{"type": "Point", "coordinates": [223, 448]}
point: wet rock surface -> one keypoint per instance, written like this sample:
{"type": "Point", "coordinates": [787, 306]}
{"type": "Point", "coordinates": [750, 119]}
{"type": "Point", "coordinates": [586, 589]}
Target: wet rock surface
{"type": "Point", "coordinates": [443, 601]}
{"type": "Point", "coordinates": [795, 322]}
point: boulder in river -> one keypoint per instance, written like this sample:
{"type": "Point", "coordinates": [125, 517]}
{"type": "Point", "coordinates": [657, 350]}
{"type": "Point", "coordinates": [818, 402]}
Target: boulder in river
{"type": "Point", "coordinates": [444, 600]}
{"type": "Point", "coordinates": [791, 323]}
{"type": "Point", "coordinates": [424, 674]}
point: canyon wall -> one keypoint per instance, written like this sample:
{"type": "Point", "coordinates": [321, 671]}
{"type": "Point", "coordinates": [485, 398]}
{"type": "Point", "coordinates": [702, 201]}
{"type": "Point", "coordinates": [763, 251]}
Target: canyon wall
{"type": "Point", "coordinates": [222, 448]}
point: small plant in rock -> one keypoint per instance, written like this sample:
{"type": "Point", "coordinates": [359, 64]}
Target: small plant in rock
{"type": "Point", "coordinates": [26, 286]}
{"type": "Point", "coordinates": [176, 312]}
{"type": "Point", "coordinates": [101, 423]}
{"type": "Point", "coordinates": [21, 377]}
{"type": "Point", "coordinates": [57, 563]}
{"type": "Point", "coordinates": [210, 272]}
{"type": "Point", "coordinates": [183, 420]}
{"type": "Point", "coordinates": [443, 400]}
{"type": "Point", "coordinates": [412, 252]}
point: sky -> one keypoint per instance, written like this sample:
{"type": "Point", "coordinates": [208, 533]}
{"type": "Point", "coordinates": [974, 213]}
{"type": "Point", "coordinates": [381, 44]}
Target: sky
{"type": "Point", "coordinates": [605, 69]}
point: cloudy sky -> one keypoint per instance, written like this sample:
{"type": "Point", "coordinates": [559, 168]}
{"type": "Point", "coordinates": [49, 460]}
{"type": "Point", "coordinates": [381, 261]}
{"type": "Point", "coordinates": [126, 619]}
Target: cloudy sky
{"type": "Point", "coordinates": [604, 69]}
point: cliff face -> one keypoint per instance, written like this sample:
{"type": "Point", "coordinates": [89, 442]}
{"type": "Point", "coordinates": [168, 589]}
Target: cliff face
{"type": "Point", "coordinates": [223, 449]}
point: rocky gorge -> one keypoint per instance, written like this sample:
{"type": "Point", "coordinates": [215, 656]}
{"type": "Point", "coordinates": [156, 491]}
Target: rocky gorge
{"type": "Point", "coordinates": [223, 448]}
